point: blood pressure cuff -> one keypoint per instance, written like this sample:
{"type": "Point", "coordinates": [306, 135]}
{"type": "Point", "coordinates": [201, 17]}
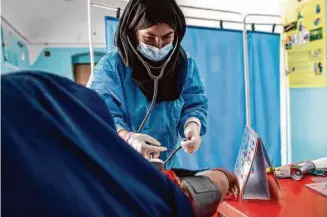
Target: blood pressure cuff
{"type": "Point", "coordinates": [204, 193]}
{"type": "Point", "coordinates": [186, 173]}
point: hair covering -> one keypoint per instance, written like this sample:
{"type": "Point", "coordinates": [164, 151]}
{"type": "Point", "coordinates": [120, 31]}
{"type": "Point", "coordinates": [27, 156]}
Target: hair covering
{"type": "Point", "coordinates": [142, 14]}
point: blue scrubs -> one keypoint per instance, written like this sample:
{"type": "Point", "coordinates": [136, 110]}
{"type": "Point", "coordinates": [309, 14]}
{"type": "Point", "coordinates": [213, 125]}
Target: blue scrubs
{"type": "Point", "coordinates": [128, 105]}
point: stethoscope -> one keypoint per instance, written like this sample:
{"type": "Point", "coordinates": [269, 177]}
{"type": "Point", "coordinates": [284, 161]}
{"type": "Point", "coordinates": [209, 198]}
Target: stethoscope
{"type": "Point", "coordinates": [160, 164]}
{"type": "Point", "coordinates": [155, 79]}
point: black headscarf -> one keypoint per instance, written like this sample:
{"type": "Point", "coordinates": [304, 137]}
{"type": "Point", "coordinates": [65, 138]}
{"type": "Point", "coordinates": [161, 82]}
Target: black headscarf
{"type": "Point", "coordinates": [142, 14]}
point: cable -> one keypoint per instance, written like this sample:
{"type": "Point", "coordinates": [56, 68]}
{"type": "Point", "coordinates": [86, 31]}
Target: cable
{"type": "Point", "coordinates": [155, 92]}
{"type": "Point", "coordinates": [155, 78]}
{"type": "Point", "coordinates": [172, 155]}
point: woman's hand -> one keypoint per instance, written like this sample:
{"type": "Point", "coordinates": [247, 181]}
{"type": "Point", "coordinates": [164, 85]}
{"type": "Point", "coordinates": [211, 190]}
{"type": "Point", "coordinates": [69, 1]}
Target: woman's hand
{"type": "Point", "coordinates": [143, 144]}
{"type": "Point", "coordinates": [192, 140]}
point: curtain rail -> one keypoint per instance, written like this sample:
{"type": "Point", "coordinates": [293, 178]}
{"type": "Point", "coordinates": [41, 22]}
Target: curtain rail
{"type": "Point", "coordinates": [15, 30]}
{"type": "Point", "coordinates": [98, 5]}
{"type": "Point", "coordinates": [196, 18]}
{"type": "Point", "coordinates": [182, 6]}
{"type": "Point", "coordinates": [265, 24]}
{"type": "Point", "coordinates": [262, 15]}
{"type": "Point", "coordinates": [213, 19]}
{"type": "Point", "coordinates": [187, 17]}
{"type": "Point", "coordinates": [210, 9]}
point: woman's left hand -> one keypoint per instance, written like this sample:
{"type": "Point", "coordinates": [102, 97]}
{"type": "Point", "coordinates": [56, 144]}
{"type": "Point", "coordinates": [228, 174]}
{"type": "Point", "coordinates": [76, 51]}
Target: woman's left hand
{"type": "Point", "coordinates": [193, 138]}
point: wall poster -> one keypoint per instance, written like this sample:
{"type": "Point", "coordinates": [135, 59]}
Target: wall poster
{"type": "Point", "coordinates": [305, 43]}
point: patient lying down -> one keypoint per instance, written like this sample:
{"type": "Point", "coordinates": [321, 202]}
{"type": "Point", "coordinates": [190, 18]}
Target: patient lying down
{"type": "Point", "coordinates": [61, 156]}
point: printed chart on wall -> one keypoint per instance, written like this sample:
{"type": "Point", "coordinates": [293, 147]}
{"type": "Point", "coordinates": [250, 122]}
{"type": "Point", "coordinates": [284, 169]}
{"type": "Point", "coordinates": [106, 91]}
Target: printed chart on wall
{"type": "Point", "coordinates": [305, 43]}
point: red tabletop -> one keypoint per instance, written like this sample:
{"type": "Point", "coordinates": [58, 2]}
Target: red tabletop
{"type": "Point", "coordinates": [293, 200]}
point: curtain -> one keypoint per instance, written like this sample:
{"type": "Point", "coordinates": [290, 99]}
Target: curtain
{"type": "Point", "coordinates": [219, 56]}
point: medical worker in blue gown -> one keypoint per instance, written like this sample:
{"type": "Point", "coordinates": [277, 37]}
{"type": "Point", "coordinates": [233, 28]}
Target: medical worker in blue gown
{"type": "Point", "coordinates": [149, 59]}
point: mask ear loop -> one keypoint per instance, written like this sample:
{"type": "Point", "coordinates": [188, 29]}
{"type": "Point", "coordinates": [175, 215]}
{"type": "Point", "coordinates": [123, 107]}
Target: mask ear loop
{"type": "Point", "coordinates": [155, 78]}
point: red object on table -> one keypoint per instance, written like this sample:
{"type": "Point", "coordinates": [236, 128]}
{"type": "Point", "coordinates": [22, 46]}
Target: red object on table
{"type": "Point", "coordinates": [293, 200]}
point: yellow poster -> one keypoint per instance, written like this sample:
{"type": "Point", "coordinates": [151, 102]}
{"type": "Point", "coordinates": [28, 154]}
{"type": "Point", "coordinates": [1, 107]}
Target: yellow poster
{"type": "Point", "coordinates": [305, 43]}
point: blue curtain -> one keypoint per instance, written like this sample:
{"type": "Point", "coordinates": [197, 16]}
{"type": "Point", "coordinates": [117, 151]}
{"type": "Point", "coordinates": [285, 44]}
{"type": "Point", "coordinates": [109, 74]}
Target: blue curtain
{"type": "Point", "coordinates": [264, 52]}
{"type": "Point", "coordinates": [219, 55]}
{"type": "Point", "coordinates": [111, 24]}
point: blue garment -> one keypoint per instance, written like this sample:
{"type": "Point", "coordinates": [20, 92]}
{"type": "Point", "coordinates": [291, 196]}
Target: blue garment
{"type": "Point", "coordinates": [61, 156]}
{"type": "Point", "coordinates": [128, 105]}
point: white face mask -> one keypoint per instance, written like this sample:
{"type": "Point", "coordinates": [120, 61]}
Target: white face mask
{"type": "Point", "coordinates": [153, 53]}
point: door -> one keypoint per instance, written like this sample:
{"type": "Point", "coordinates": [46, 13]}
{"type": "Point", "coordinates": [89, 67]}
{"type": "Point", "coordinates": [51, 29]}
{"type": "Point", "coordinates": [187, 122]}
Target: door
{"type": "Point", "coordinates": [82, 73]}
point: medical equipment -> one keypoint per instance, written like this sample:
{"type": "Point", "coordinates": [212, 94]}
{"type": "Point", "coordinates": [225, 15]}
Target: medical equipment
{"type": "Point", "coordinates": [160, 164]}
{"type": "Point", "coordinates": [309, 167]}
{"type": "Point", "coordinates": [297, 173]}
{"type": "Point", "coordinates": [316, 167]}
{"type": "Point", "coordinates": [205, 194]}
{"type": "Point", "coordinates": [155, 79]}
{"type": "Point", "coordinates": [157, 162]}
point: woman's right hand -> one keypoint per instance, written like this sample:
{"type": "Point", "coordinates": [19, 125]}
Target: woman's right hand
{"type": "Point", "coordinates": [144, 144]}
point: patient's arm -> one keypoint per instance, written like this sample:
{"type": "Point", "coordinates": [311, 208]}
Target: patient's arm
{"type": "Point", "coordinates": [218, 177]}
{"type": "Point", "coordinates": [205, 189]}
{"type": "Point", "coordinates": [220, 180]}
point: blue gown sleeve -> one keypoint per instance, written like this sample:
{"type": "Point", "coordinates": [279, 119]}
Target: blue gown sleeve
{"type": "Point", "coordinates": [196, 101]}
{"type": "Point", "coordinates": [107, 83]}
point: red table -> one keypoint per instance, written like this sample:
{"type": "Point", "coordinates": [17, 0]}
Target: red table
{"type": "Point", "coordinates": [293, 200]}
